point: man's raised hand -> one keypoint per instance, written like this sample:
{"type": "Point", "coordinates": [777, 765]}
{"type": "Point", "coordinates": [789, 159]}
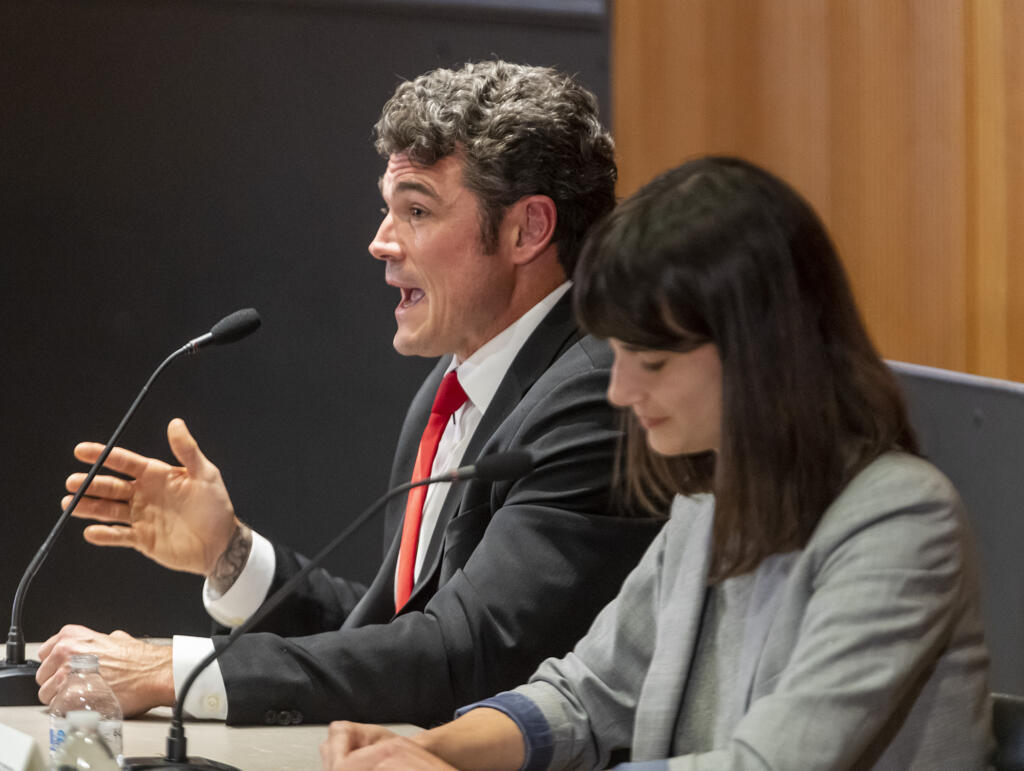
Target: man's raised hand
{"type": "Point", "coordinates": [179, 516]}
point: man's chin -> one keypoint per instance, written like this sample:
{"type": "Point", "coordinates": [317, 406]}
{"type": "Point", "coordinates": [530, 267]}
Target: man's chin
{"type": "Point", "coordinates": [406, 345]}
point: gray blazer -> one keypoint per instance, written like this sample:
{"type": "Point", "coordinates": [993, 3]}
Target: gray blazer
{"type": "Point", "coordinates": [863, 650]}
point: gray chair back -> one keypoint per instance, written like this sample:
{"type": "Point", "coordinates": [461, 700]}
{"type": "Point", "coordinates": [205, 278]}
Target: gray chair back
{"type": "Point", "coordinates": [972, 428]}
{"type": "Point", "coordinates": [1008, 727]}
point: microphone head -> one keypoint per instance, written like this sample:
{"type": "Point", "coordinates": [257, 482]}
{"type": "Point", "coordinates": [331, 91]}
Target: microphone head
{"type": "Point", "coordinates": [503, 465]}
{"type": "Point", "coordinates": [234, 327]}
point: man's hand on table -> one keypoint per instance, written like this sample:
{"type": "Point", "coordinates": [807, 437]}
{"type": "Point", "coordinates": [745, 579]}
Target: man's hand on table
{"type": "Point", "coordinates": [140, 673]}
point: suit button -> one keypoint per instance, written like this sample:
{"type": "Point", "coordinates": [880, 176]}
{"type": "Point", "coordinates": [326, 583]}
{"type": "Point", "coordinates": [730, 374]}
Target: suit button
{"type": "Point", "coordinates": [284, 717]}
{"type": "Point", "coordinates": [270, 717]}
{"type": "Point", "coordinates": [297, 717]}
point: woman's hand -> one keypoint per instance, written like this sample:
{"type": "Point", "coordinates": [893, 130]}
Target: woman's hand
{"type": "Point", "coordinates": [357, 746]}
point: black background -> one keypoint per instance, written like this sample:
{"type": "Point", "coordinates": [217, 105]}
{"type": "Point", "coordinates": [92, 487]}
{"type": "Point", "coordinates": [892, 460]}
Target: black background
{"type": "Point", "coordinates": [164, 163]}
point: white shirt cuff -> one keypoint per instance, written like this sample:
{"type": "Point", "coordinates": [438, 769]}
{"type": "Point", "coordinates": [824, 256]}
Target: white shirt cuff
{"type": "Point", "coordinates": [250, 588]}
{"type": "Point", "coordinates": [207, 698]}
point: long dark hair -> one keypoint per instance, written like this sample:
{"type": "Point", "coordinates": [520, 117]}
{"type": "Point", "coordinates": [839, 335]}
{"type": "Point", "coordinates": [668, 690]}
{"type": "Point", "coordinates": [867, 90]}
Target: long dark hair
{"type": "Point", "coordinates": [719, 250]}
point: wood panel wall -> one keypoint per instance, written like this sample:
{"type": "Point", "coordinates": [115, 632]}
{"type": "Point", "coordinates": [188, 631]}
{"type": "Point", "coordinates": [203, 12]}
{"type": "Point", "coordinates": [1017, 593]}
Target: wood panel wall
{"type": "Point", "coordinates": [902, 121]}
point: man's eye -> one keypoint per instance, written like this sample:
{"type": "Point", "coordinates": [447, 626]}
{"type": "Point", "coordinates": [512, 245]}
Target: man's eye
{"type": "Point", "coordinates": [652, 366]}
{"type": "Point", "coordinates": [417, 212]}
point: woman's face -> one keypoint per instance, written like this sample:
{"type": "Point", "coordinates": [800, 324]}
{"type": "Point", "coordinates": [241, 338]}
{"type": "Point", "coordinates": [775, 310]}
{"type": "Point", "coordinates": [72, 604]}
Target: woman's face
{"type": "Point", "coordinates": [676, 397]}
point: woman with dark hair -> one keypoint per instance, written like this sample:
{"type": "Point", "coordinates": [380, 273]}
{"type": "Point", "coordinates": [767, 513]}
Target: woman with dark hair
{"type": "Point", "coordinates": [812, 602]}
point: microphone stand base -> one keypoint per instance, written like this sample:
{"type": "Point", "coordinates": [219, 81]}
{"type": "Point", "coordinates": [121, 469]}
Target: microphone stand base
{"type": "Point", "coordinates": [144, 764]}
{"type": "Point", "coordinates": [18, 687]}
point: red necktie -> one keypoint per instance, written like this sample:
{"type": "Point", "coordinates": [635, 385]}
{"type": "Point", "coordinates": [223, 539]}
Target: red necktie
{"type": "Point", "coordinates": [450, 397]}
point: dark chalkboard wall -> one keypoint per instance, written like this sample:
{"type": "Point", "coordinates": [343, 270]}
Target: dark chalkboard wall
{"type": "Point", "coordinates": [163, 163]}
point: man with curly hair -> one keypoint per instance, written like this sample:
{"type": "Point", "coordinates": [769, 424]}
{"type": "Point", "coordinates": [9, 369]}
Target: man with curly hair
{"type": "Point", "coordinates": [494, 174]}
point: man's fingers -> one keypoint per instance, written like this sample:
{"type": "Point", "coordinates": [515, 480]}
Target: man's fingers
{"type": "Point", "coordinates": [99, 510]}
{"type": "Point", "coordinates": [186, 448]}
{"type": "Point", "coordinates": [48, 688]}
{"type": "Point", "coordinates": [46, 647]}
{"type": "Point", "coordinates": [121, 460]}
{"type": "Point", "coordinates": [49, 675]}
{"type": "Point", "coordinates": [88, 452]}
{"type": "Point", "coordinates": [53, 654]}
{"type": "Point", "coordinates": [108, 535]}
{"type": "Point", "coordinates": [101, 487]}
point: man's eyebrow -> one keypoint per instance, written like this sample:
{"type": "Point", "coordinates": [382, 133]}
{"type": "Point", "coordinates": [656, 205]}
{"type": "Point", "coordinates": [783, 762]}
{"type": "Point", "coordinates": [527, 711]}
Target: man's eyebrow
{"type": "Point", "coordinates": [411, 186]}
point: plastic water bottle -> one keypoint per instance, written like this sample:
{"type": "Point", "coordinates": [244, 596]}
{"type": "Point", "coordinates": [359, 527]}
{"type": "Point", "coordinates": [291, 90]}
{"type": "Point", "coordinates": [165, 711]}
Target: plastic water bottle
{"type": "Point", "coordinates": [85, 690]}
{"type": "Point", "coordinates": [83, 747]}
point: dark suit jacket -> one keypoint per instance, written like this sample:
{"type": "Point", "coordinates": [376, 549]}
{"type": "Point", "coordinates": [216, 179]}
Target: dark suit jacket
{"type": "Point", "coordinates": [514, 573]}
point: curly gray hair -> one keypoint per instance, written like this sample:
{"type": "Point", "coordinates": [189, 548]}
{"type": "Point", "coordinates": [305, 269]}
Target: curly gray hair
{"type": "Point", "coordinates": [521, 131]}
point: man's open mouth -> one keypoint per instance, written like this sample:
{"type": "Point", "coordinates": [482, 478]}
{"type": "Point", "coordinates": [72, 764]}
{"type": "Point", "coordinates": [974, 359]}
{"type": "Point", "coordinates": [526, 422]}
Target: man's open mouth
{"type": "Point", "coordinates": [410, 296]}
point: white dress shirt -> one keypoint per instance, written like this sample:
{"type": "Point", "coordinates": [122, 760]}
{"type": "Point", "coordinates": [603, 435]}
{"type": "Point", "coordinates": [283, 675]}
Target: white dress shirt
{"type": "Point", "coordinates": [479, 375]}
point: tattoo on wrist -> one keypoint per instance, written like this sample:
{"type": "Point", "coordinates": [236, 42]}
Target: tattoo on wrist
{"type": "Point", "coordinates": [230, 564]}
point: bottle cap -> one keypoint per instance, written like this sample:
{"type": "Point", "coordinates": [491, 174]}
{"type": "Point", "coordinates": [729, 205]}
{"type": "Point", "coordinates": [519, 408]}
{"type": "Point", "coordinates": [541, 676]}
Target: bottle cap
{"type": "Point", "coordinates": [84, 661]}
{"type": "Point", "coordinates": [83, 718]}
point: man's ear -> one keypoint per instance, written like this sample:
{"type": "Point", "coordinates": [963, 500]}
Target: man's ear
{"type": "Point", "coordinates": [532, 220]}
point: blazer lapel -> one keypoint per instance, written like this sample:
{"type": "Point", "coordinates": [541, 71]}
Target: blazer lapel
{"type": "Point", "coordinates": [678, 627]}
{"type": "Point", "coordinates": [555, 334]}
{"type": "Point", "coordinates": [765, 599]}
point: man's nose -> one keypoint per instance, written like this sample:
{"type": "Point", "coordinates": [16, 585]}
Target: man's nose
{"type": "Point", "coordinates": [384, 246]}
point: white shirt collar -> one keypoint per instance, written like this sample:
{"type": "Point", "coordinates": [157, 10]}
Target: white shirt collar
{"type": "Point", "coordinates": [482, 373]}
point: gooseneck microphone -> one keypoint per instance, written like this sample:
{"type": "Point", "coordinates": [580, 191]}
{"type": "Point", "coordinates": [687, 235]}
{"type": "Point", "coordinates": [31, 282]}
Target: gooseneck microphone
{"type": "Point", "coordinates": [490, 468]}
{"type": "Point", "coordinates": [17, 676]}
{"type": "Point", "coordinates": [228, 330]}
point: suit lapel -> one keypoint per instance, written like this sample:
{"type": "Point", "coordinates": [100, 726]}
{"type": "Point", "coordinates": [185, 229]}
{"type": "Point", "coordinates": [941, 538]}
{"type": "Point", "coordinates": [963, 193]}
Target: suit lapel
{"type": "Point", "coordinates": [378, 604]}
{"type": "Point", "coordinates": [555, 334]}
